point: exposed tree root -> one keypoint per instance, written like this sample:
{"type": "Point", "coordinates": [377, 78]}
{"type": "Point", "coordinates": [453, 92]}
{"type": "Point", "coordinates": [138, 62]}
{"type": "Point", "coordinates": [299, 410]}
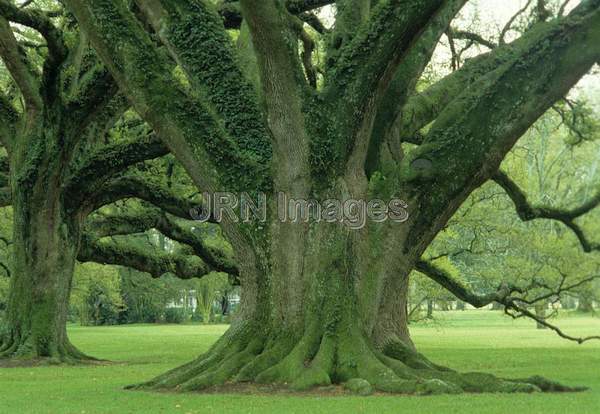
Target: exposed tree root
{"type": "Point", "coordinates": [320, 359]}
{"type": "Point", "coordinates": [22, 351]}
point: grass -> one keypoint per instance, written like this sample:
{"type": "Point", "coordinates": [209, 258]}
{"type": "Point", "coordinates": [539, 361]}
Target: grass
{"type": "Point", "coordinates": [469, 340]}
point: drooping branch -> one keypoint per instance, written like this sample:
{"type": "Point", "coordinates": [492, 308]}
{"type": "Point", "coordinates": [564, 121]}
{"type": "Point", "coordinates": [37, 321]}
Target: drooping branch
{"type": "Point", "coordinates": [528, 212]}
{"type": "Point", "coordinates": [515, 306]}
{"type": "Point", "coordinates": [459, 290]}
{"type": "Point", "coordinates": [142, 220]}
{"type": "Point", "coordinates": [144, 188]}
{"type": "Point", "coordinates": [155, 262]}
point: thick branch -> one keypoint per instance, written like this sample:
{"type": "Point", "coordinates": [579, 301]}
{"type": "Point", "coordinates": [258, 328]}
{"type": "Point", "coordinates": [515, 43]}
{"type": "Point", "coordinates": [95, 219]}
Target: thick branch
{"type": "Point", "coordinates": [156, 263]}
{"type": "Point", "coordinates": [109, 160]}
{"type": "Point", "coordinates": [509, 98]}
{"type": "Point", "coordinates": [528, 212]}
{"type": "Point", "coordinates": [140, 221]}
{"type": "Point", "coordinates": [423, 108]}
{"type": "Point", "coordinates": [143, 188]}
{"type": "Point", "coordinates": [144, 74]}
{"type": "Point", "coordinates": [283, 85]}
{"type": "Point", "coordinates": [462, 292]}
{"type": "Point", "coordinates": [404, 82]}
{"type": "Point", "coordinates": [367, 64]}
{"type": "Point", "coordinates": [208, 59]}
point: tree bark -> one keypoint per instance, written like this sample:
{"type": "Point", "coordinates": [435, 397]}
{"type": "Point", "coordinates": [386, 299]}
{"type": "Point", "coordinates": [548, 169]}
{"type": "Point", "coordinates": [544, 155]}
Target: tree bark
{"type": "Point", "coordinates": [323, 336]}
{"type": "Point", "coordinates": [46, 239]}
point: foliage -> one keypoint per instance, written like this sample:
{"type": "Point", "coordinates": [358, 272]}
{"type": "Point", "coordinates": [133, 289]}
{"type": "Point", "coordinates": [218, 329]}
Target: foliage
{"type": "Point", "coordinates": [208, 290]}
{"type": "Point", "coordinates": [95, 297]}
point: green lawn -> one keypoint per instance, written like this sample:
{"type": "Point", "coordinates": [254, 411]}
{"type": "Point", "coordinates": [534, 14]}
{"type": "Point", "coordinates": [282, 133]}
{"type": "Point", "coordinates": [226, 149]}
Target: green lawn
{"type": "Point", "coordinates": [470, 340]}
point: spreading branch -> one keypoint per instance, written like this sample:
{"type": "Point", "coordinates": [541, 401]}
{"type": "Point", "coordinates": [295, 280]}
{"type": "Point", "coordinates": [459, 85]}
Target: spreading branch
{"type": "Point", "coordinates": [515, 306]}
{"type": "Point", "coordinates": [144, 74]}
{"type": "Point", "coordinates": [142, 220]}
{"type": "Point", "coordinates": [527, 85]}
{"type": "Point", "coordinates": [144, 188]}
{"type": "Point", "coordinates": [109, 160]}
{"type": "Point", "coordinates": [404, 83]}
{"type": "Point", "coordinates": [209, 61]}
{"type": "Point", "coordinates": [155, 262]}
{"type": "Point", "coordinates": [528, 212]}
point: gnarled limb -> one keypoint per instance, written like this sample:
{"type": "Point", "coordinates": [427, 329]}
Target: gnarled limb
{"type": "Point", "coordinates": [362, 75]}
{"type": "Point", "coordinates": [142, 220]}
{"type": "Point", "coordinates": [107, 161]}
{"type": "Point", "coordinates": [186, 124]}
{"type": "Point", "coordinates": [142, 187]}
{"type": "Point", "coordinates": [528, 212]}
{"type": "Point", "coordinates": [462, 292]}
{"type": "Point", "coordinates": [156, 263]}
{"type": "Point", "coordinates": [527, 86]}
{"type": "Point", "coordinates": [208, 59]}
{"type": "Point", "coordinates": [515, 306]}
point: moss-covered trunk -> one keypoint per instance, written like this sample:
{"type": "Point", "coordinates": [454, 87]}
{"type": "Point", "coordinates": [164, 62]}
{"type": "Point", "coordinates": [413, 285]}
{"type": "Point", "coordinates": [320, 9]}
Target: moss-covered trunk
{"type": "Point", "coordinates": [45, 242]}
{"type": "Point", "coordinates": [45, 245]}
{"type": "Point", "coordinates": [325, 333]}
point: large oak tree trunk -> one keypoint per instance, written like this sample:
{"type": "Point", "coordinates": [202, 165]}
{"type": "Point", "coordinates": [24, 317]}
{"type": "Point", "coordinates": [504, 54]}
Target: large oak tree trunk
{"type": "Point", "coordinates": [45, 242]}
{"type": "Point", "coordinates": [44, 259]}
{"type": "Point", "coordinates": [322, 335]}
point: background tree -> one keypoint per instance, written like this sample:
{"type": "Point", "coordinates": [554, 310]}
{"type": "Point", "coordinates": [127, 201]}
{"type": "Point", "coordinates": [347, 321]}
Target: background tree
{"type": "Point", "coordinates": [71, 148]}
